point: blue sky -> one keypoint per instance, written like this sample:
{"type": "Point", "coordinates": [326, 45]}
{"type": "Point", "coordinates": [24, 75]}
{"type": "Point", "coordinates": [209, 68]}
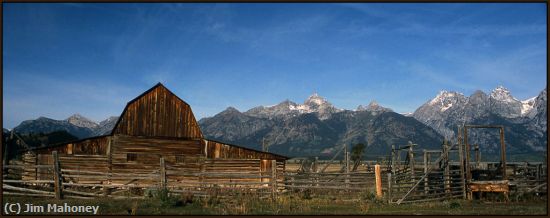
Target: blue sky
{"type": "Point", "coordinates": [61, 59]}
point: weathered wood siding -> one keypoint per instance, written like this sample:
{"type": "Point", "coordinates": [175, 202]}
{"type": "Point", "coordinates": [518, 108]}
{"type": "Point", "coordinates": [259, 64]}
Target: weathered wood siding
{"type": "Point", "coordinates": [231, 166]}
{"type": "Point", "coordinates": [91, 146]}
{"type": "Point", "coordinates": [29, 173]}
{"type": "Point", "coordinates": [147, 152]}
{"type": "Point", "coordinates": [83, 163]}
{"type": "Point", "coordinates": [184, 175]}
{"type": "Point", "coordinates": [97, 146]}
{"type": "Point", "coordinates": [221, 150]}
{"type": "Point", "coordinates": [158, 112]}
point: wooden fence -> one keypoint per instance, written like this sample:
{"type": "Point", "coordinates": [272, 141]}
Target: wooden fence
{"type": "Point", "coordinates": [439, 184]}
{"type": "Point", "coordinates": [330, 182]}
{"type": "Point", "coordinates": [225, 177]}
{"type": "Point", "coordinates": [209, 177]}
{"type": "Point", "coordinates": [528, 177]}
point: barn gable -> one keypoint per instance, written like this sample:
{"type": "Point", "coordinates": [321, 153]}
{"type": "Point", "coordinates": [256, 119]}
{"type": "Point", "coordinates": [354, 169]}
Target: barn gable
{"type": "Point", "coordinates": [158, 113]}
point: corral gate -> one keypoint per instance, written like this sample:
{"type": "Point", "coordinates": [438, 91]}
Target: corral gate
{"type": "Point", "coordinates": [439, 176]}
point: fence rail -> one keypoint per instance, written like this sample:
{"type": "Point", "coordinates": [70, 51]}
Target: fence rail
{"type": "Point", "coordinates": [68, 182]}
{"type": "Point", "coordinates": [443, 182]}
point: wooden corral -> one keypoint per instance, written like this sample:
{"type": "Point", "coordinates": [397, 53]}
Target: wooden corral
{"type": "Point", "coordinates": [156, 125]}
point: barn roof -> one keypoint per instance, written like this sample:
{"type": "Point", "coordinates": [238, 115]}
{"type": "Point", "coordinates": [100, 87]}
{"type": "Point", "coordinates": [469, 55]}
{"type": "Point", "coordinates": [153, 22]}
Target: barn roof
{"type": "Point", "coordinates": [158, 112]}
{"type": "Point", "coordinates": [158, 85]}
{"type": "Point", "coordinates": [250, 149]}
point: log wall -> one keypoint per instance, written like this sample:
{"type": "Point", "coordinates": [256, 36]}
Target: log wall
{"type": "Point", "coordinates": [216, 149]}
{"type": "Point", "coordinates": [91, 146]}
{"type": "Point", "coordinates": [147, 152]}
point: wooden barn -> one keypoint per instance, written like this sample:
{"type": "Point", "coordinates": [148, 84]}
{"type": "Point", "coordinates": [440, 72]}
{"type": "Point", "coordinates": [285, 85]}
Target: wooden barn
{"type": "Point", "coordinates": [156, 124]}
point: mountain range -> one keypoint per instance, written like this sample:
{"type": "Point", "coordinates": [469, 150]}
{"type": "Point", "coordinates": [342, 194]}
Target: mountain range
{"type": "Point", "coordinates": [524, 121]}
{"type": "Point", "coordinates": [77, 125]}
{"type": "Point", "coordinates": [317, 128]}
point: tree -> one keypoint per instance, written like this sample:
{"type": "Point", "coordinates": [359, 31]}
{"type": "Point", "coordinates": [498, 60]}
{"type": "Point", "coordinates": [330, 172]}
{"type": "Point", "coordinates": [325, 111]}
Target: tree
{"type": "Point", "coordinates": [357, 154]}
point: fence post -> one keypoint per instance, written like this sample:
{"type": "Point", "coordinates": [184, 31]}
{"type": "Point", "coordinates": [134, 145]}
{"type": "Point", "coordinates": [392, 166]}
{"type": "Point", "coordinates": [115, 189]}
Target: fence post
{"type": "Point", "coordinates": [274, 179]}
{"type": "Point", "coordinates": [201, 175]}
{"type": "Point", "coordinates": [107, 190]}
{"type": "Point", "coordinates": [461, 158]}
{"type": "Point", "coordinates": [539, 171]}
{"type": "Point", "coordinates": [347, 169]}
{"type": "Point", "coordinates": [36, 169]}
{"type": "Point", "coordinates": [316, 171]}
{"type": "Point", "coordinates": [57, 176]}
{"type": "Point", "coordinates": [393, 159]}
{"type": "Point", "coordinates": [389, 188]}
{"type": "Point", "coordinates": [411, 161]}
{"type": "Point", "coordinates": [447, 182]}
{"type": "Point", "coordinates": [315, 163]}
{"type": "Point", "coordinates": [426, 171]}
{"type": "Point", "coordinates": [162, 173]}
{"type": "Point", "coordinates": [378, 181]}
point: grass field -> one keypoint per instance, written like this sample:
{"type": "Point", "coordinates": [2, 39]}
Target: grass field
{"type": "Point", "coordinates": [292, 204]}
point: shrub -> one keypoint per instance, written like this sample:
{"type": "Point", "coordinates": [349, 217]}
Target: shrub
{"type": "Point", "coordinates": [306, 194]}
{"type": "Point", "coordinates": [455, 205]}
{"type": "Point", "coordinates": [164, 198]}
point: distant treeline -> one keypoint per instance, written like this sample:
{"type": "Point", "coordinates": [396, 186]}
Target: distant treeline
{"type": "Point", "coordinates": [15, 145]}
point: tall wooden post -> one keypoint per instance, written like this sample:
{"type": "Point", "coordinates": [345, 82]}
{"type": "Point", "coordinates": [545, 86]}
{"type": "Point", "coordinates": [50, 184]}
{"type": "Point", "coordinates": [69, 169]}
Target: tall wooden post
{"type": "Point", "coordinates": [467, 163]}
{"type": "Point", "coordinates": [447, 168]}
{"type": "Point", "coordinates": [162, 173]}
{"type": "Point", "coordinates": [5, 160]}
{"type": "Point", "coordinates": [393, 159]}
{"type": "Point", "coordinates": [347, 169]}
{"type": "Point", "coordinates": [503, 154]}
{"type": "Point", "coordinates": [107, 190]}
{"type": "Point", "coordinates": [461, 162]}
{"type": "Point", "coordinates": [316, 171]}
{"type": "Point", "coordinates": [411, 161]}
{"type": "Point", "coordinates": [378, 181]}
{"type": "Point", "coordinates": [426, 171]}
{"type": "Point", "coordinates": [539, 172]}
{"type": "Point", "coordinates": [274, 179]}
{"type": "Point", "coordinates": [315, 164]}
{"type": "Point", "coordinates": [390, 188]}
{"type": "Point", "coordinates": [57, 176]}
{"type": "Point", "coordinates": [478, 156]}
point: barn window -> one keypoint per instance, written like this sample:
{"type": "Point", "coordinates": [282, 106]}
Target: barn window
{"type": "Point", "coordinates": [131, 157]}
{"type": "Point", "coordinates": [180, 158]}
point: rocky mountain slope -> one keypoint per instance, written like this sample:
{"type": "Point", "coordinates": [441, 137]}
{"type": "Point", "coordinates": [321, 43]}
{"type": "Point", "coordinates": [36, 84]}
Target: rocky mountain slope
{"type": "Point", "coordinates": [314, 104]}
{"type": "Point", "coordinates": [76, 125]}
{"type": "Point", "coordinates": [524, 121]}
{"type": "Point", "coordinates": [318, 128]}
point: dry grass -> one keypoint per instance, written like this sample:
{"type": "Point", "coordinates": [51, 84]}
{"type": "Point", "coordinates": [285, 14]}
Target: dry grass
{"type": "Point", "coordinates": [298, 203]}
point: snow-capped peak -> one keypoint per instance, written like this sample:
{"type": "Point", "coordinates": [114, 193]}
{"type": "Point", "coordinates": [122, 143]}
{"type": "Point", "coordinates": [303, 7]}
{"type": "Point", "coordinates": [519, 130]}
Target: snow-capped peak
{"type": "Point", "coordinates": [373, 106]}
{"type": "Point", "coordinates": [81, 121]}
{"type": "Point", "coordinates": [500, 93]}
{"type": "Point", "coordinates": [373, 103]}
{"type": "Point", "coordinates": [527, 105]}
{"type": "Point", "coordinates": [110, 119]}
{"type": "Point", "coordinates": [312, 104]}
{"type": "Point", "coordinates": [315, 99]}
{"type": "Point", "coordinates": [407, 114]}
{"type": "Point", "coordinates": [445, 99]}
